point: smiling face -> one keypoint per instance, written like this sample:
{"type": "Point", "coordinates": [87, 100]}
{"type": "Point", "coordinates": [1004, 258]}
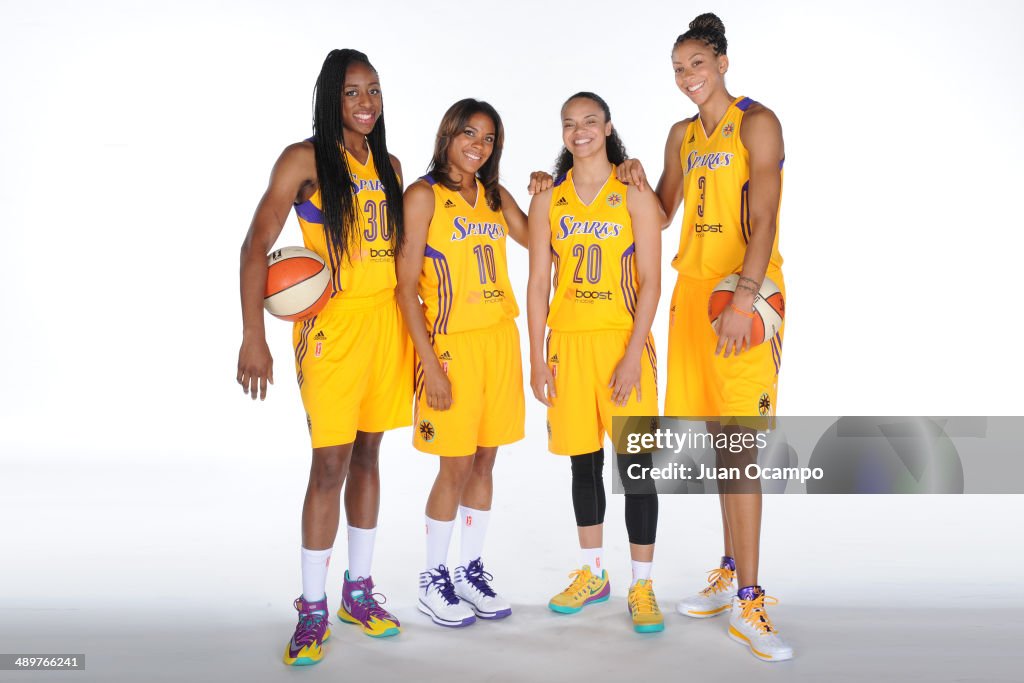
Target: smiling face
{"type": "Point", "coordinates": [584, 127]}
{"type": "Point", "coordinates": [472, 146]}
{"type": "Point", "coordinates": [361, 101]}
{"type": "Point", "coordinates": [699, 73]}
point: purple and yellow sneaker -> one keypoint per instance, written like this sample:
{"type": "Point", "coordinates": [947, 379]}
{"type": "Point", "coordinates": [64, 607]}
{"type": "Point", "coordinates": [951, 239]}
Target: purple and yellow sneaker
{"type": "Point", "coordinates": [312, 631]}
{"type": "Point", "coordinates": [359, 605]}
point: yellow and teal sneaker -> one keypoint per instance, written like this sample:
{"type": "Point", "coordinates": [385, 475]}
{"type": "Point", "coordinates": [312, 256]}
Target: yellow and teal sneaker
{"type": "Point", "coordinates": [312, 631]}
{"type": "Point", "coordinates": [643, 607]}
{"type": "Point", "coordinates": [585, 589]}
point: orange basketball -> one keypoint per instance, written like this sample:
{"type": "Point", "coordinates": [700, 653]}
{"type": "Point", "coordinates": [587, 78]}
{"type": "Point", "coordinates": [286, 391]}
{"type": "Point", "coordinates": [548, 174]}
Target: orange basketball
{"type": "Point", "coordinates": [769, 307]}
{"type": "Point", "coordinates": [298, 284]}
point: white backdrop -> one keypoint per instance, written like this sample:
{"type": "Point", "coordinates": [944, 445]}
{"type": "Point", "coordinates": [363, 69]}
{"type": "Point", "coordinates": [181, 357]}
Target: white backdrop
{"type": "Point", "coordinates": [136, 140]}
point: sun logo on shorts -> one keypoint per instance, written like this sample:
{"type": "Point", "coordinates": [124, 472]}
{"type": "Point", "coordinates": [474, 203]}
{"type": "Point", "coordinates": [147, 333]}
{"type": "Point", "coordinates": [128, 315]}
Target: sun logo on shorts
{"type": "Point", "coordinates": [764, 405]}
{"type": "Point", "coordinates": [427, 432]}
{"type": "Point", "coordinates": [727, 130]}
{"type": "Point", "coordinates": [613, 199]}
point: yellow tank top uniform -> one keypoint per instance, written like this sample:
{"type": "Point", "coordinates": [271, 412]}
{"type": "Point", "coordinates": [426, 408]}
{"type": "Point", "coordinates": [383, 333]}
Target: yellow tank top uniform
{"type": "Point", "coordinates": [464, 284]}
{"type": "Point", "coordinates": [595, 279]}
{"type": "Point", "coordinates": [469, 311]}
{"type": "Point", "coordinates": [368, 274]}
{"type": "Point", "coordinates": [353, 360]}
{"type": "Point", "coordinates": [716, 213]}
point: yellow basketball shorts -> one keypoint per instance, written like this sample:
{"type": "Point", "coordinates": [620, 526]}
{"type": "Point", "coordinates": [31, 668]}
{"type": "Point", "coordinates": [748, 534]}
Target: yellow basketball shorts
{"type": "Point", "coordinates": [582, 409]}
{"type": "Point", "coordinates": [485, 369]}
{"type": "Point", "coordinates": [701, 384]}
{"type": "Point", "coordinates": [354, 366]}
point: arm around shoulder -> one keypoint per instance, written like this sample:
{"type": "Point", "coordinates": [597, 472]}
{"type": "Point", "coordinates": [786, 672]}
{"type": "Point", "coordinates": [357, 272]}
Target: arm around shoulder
{"type": "Point", "coordinates": [514, 216]}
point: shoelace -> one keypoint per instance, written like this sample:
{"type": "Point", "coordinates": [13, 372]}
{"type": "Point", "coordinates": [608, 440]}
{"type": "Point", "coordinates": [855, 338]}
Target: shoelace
{"type": "Point", "coordinates": [580, 579]}
{"type": "Point", "coordinates": [311, 627]}
{"type": "Point", "coordinates": [441, 580]}
{"type": "Point", "coordinates": [642, 600]}
{"type": "Point", "coordinates": [719, 579]}
{"type": "Point", "coordinates": [373, 602]}
{"type": "Point", "coordinates": [753, 612]}
{"type": "Point", "coordinates": [370, 600]}
{"type": "Point", "coordinates": [478, 578]}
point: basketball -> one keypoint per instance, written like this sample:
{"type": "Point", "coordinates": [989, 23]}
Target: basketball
{"type": "Point", "coordinates": [298, 284]}
{"type": "Point", "coordinates": [769, 307]}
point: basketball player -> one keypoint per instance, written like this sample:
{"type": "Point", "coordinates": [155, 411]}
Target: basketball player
{"type": "Point", "coordinates": [603, 240]}
{"type": "Point", "coordinates": [353, 359]}
{"type": "Point", "coordinates": [469, 378]}
{"type": "Point", "coordinates": [725, 165]}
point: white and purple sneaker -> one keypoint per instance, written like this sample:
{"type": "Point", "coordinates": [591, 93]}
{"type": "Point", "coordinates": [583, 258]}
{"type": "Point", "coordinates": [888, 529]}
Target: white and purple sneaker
{"type": "Point", "coordinates": [439, 602]}
{"type": "Point", "coordinates": [472, 585]}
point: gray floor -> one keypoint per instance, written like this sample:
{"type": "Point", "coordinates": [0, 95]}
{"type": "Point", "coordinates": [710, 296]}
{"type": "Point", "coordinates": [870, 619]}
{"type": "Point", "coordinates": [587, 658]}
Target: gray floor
{"type": "Point", "coordinates": [904, 643]}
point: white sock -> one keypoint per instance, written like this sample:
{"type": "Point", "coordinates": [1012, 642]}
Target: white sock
{"type": "Point", "coordinates": [314, 573]}
{"type": "Point", "coordinates": [592, 558]}
{"type": "Point", "coordinates": [360, 551]}
{"type": "Point", "coordinates": [642, 570]}
{"type": "Point", "coordinates": [439, 535]}
{"type": "Point", "coordinates": [474, 529]}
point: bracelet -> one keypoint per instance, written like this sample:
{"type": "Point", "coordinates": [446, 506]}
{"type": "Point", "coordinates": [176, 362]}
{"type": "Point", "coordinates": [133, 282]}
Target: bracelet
{"type": "Point", "coordinates": [745, 314]}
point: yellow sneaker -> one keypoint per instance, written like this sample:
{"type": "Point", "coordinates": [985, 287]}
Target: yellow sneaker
{"type": "Point", "coordinates": [643, 607]}
{"type": "Point", "coordinates": [586, 588]}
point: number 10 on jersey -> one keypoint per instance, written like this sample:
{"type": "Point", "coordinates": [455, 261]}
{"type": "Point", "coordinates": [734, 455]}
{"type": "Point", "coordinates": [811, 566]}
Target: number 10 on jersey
{"type": "Point", "coordinates": [485, 263]}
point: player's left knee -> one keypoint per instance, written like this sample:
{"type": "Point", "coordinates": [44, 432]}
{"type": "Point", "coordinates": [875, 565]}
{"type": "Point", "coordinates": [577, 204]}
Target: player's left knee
{"type": "Point", "coordinates": [366, 449]}
{"type": "Point", "coordinates": [483, 461]}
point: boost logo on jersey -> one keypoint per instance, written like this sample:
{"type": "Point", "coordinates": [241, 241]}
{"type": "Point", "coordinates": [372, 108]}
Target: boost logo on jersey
{"type": "Point", "coordinates": [382, 254]}
{"type": "Point", "coordinates": [592, 295]}
{"type": "Point", "coordinates": [704, 228]}
{"type": "Point", "coordinates": [494, 294]}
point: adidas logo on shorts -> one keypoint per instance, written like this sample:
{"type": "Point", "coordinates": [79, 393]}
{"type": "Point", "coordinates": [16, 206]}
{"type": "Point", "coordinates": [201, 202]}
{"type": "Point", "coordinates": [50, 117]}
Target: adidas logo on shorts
{"type": "Point", "coordinates": [445, 356]}
{"type": "Point", "coordinates": [561, 202]}
{"type": "Point", "coordinates": [553, 359]}
{"type": "Point", "coordinates": [449, 204]}
{"type": "Point", "coordinates": [320, 336]}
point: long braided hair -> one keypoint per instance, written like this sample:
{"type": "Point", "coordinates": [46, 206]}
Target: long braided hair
{"type": "Point", "coordinates": [337, 191]}
{"type": "Point", "coordinates": [614, 148]}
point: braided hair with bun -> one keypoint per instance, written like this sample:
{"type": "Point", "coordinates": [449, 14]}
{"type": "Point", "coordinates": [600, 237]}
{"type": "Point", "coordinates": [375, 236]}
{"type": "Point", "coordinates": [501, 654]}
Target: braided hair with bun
{"type": "Point", "coordinates": [708, 29]}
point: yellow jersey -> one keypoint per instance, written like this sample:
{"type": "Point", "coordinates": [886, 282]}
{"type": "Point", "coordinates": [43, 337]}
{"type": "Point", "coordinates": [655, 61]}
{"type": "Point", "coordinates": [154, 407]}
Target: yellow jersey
{"type": "Point", "coordinates": [370, 270]}
{"type": "Point", "coordinates": [716, 213]}
{"type": "Point", "coordinates": [464, 283]}
{"type": "Point", "coordinates": [592, 248]}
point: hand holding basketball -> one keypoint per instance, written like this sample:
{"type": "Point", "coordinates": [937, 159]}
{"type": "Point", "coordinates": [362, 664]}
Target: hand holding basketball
{"type": "Point", "coordinates": [733, 332]}
{"type": "Point", "coordinates": [738, 331]}
{"type": "Point", "coordinates": [255, 366]}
